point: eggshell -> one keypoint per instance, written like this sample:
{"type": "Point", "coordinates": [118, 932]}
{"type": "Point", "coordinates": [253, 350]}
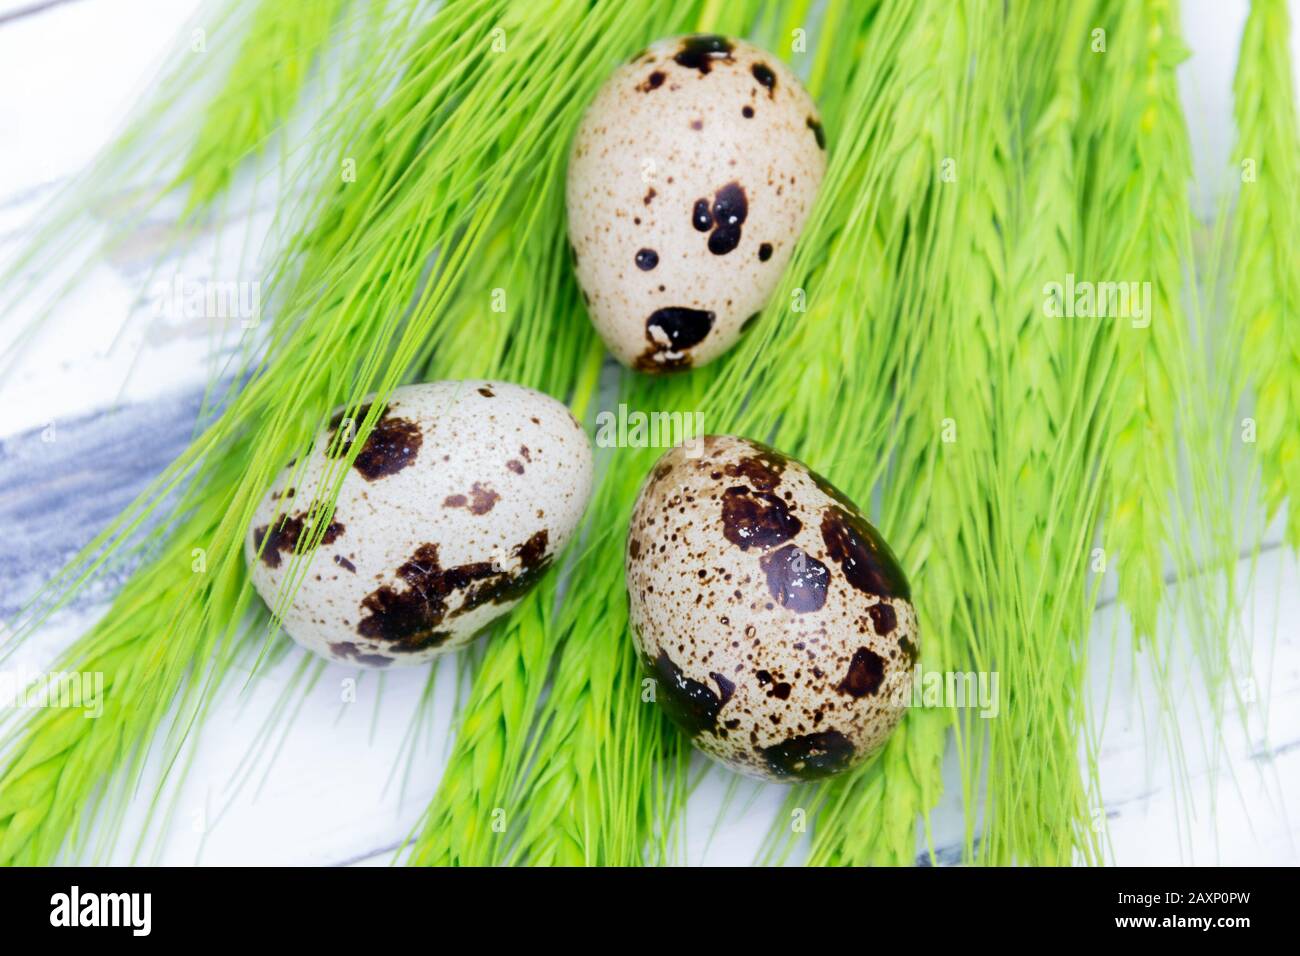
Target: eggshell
{"type": "Point", "coordinates": [455, 506]}
{"type": "Point", "coordinates": [773, 618]}
{"type": "Point", "coordinates": [690, 178]}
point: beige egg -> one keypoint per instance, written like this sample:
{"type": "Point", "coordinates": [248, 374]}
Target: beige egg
{"type": "Point", "coordinates": [456, 505]}
{"type": "Point", "coordinates": [690, 178]}
{"type": "Point", "coordinates": [773, 618]}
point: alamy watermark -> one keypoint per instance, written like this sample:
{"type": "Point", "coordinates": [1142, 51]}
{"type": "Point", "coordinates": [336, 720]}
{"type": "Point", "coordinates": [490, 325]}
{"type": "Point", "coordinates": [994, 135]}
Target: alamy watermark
{"type": "Point", "coordinates": [637, 429]}
{"type": "Point", "coordinates": [954, 689]}
{"type": "Point", "coordinates": [67, 690]}
{"type": "Point", "coordinates": [1098, 300]}
{"type": "Point", "coordinates": [207, 299]}
{"type": "Point", "coordinates": [133, 911]}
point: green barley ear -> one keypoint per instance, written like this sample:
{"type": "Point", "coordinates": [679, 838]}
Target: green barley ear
{"type": "Point", "coordinates": [1042, 502]}
{"type": "Point", "coordinates": [260, 92]}
{"type": "Point", "coordinates": [1266, 237]}
{"type": "Point", "coordinates": [1151, 360]}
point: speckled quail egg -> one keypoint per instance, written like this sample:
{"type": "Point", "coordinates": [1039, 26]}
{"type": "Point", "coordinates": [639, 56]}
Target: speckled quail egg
{"type": "Point", "coordinates": [690, 178]}
{"type": "Point", "coordinates": [455, 506]}
{"type": "Point", "coordinates": [774, 620]}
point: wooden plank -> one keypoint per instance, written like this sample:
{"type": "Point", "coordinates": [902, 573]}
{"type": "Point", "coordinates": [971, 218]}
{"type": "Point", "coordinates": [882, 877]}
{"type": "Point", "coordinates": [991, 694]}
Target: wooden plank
{"type": "Point", "coordinates": [12, 12]}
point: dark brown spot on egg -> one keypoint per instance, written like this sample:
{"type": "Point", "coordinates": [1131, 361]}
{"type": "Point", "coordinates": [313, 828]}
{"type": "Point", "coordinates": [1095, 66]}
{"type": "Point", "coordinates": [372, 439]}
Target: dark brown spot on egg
{"type": "Point", "coordinates": [349, 651]}
{"type": "Point", "coordinates": [766, 78]}
{"type": "Point", "coordinates": [726, 688]}
{"type": "Point", "coordinates": [646, 259]}
{"type": "Point", "coordinates": [516, 466]}
{"type": "Point", "coordinates": [409, 617]}
{"type": "Point", "coordinates": [486, 392]}
{"type": "Point", "coordinates": [284, 539]}
{"type": "Point", "coordinates": [762, 470]}
{"type": "Point", "coordinates": [809, 756]}
{"type": "Point", "coordinates": [344, 563]}
{"type": "Point", "coordinates": [649, 196]}
{"type": "Point", "coordinates": [634, 549]}
{"type": "Point", "coordinates": [482, 498]}
{"type": "Point", "coordinates": [795, 579]}
{"type": "Point", "coordinates": [505, 587]}
{"type": "Point", "coordinates": [697, 125]}
{"type": "Point", "coordinates": [866, 672]}
{"type": "Point", "coordinates": [908, 648]}
{"type": "Point", "coordinates": [422, 641]}
{"type": "Point", "coordinates": [690, 704]}
{"type": "Point", "coordinates": [862, 554]}
{"type": "Point", "coordinates": [765, 252]}
{"type": "Point", "coordinates": [701, 52]}
{"type": "Point", "coordinates": [342, 416]}
{"type": "Point", "coordinates": [756, 518]}
{"type": "Point", "coordinates": [883, 618]}
{"type": "Point", "coordinates": [676, 328]}
{"type": "Point", "coordinates": [391, 445]}
{"type": "Point", "coordinates": [730, 209]}
{"type": "Point", "coordinates": [701, 218]}
{"type": "Point", "coordinates": [747, 112]}
{"type": "Point", "coordinates": [730, 206]}
{"type": "Point", "coordinates": [532, 553]}
{"type": "Point", "coordinates": [656, 361]}
{"type": "Point", "coordinates": [817, 131]}
{"type": "Point", "coordinates": [651, 82]}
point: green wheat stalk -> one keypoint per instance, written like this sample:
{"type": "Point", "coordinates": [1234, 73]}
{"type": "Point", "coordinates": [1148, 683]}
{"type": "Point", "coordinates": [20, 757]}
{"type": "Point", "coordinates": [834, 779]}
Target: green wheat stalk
{"type": "Point", "coordinates": [261, 91]}
{"type": "Point", "coordinates": [1265, 286]}
{"type": "Point", "coordinates": [1151, 360]}
{"type": "Point", "coordinates": [1044, 512]}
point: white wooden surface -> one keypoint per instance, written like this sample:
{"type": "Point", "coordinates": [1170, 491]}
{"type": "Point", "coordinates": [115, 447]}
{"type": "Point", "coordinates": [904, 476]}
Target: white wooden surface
{"type": "Point", "coordinates": [331, 795]}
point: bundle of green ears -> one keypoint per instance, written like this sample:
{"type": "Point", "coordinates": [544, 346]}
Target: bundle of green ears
{"type": "Point", "coordinates": [893, 239]}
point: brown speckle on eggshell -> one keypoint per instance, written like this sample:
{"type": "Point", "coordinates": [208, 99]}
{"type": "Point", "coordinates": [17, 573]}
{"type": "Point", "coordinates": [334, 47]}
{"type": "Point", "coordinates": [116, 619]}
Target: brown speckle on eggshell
{"type": "Point", "coordinates": [785, 651]}
{"type": "Point", "coordinates": [732, 186]}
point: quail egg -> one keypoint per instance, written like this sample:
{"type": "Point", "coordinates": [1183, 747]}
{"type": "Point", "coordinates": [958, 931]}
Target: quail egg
{"type": "Point", "coordinates": [461, 496]}
{"type": "Point", "coordinates": [690, 178]}
{"type": "Point", "coordinates": [773, 618]}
